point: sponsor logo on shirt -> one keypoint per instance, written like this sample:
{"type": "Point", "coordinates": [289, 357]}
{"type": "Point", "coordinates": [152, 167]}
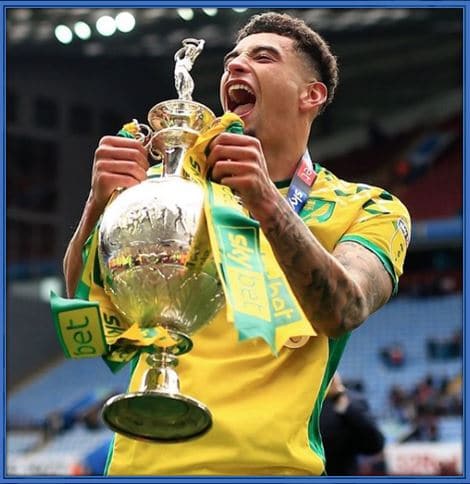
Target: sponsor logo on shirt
{"type": "Point", "coordinates": [403, 227]}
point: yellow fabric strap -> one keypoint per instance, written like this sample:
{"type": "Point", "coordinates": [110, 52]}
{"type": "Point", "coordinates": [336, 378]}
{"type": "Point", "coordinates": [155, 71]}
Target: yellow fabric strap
{"type": "Point", "coordinates": [195, 166]}
{"type": "Point", "coordinates": [259, 300]}
{"type": "Point", "coordinates": [287, 314]}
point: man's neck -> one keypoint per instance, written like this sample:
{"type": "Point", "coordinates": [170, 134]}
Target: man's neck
{"type": "Point", "coordinates": [283, 153]}
{"type": "Point", "coordinates": [282, 163]}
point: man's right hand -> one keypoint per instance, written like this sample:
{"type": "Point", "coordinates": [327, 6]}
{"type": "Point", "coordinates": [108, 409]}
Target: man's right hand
{"type": "Point", "coordinates": [118, 162]}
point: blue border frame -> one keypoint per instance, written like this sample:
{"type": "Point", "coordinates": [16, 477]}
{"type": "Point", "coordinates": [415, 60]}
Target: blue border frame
{"type": "Point", "coordinates": [464, 4]}
{"type": "Point", "coordinates": [3, 212]}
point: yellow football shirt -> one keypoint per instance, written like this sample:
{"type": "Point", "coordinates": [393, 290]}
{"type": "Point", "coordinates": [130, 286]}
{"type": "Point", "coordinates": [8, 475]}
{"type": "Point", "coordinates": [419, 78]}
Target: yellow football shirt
{"type": "Point", "coordinates": [266, 409]}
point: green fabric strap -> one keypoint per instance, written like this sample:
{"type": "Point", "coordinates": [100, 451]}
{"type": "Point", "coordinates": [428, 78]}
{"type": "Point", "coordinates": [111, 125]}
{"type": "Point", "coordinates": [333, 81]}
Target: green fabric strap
{"type": "Point", "coordinates": [79, 328]}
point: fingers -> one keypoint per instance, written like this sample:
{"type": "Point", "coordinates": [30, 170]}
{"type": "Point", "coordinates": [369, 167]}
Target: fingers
{"type": "Point", "coordinates": [235, 139]}
{"type": "Point", "coordinates": [121, 141]}
{"type": "Point", "coordinates": [114, 180]}
{"type": "Point", "coordinates": [120, 167]}
{"type": "Point", "coordinates": [242, 169]}
{"type": "Point", "coordinates": [224, 169]}
{"type": "Point", "coordinates": [118, 162]}
{"type": "Point", "coordinates": [234, 153]}
{"type": "Point", "coordinates": [234, 147]}
{"type": "Point", "coordinates": [224, 142]}
{"type": "Point", "coordinates": [120, 148]}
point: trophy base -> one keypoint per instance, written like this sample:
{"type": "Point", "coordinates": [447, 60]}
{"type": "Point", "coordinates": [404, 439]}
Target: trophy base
{"type": "Point", "coordinates": [157, 416]}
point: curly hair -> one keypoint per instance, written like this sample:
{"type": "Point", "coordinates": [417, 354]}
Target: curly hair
{"type": "Point", "coordinates": [306, 41]}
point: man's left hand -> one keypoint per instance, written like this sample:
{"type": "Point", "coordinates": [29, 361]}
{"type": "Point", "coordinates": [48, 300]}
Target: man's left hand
{"type": "Point", "coordinates": [238, 162]}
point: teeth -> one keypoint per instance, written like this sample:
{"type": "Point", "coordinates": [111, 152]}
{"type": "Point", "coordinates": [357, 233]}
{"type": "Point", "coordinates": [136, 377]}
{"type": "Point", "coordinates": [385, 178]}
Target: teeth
{"type": "Point", "coordinates": [236, 87]}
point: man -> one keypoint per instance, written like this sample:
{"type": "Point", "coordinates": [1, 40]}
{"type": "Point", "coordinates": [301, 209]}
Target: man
{"type": "Point", "coordinates": [348, 430]}
{"type": "Point", "coordinates": [342, 257]}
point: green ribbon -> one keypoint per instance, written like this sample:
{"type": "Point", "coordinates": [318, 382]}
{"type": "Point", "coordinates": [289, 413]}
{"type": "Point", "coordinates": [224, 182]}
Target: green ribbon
{"type": "Point", "coordinates": [79, 327]}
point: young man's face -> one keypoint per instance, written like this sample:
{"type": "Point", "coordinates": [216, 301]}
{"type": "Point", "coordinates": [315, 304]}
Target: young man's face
{"type": "Point", "coordinates": [263, 79]}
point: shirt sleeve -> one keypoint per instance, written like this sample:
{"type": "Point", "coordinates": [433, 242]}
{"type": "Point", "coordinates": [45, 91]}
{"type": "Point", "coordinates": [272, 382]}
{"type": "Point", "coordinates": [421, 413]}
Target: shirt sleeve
{"type": "Point", "coordinates": [384, 227]}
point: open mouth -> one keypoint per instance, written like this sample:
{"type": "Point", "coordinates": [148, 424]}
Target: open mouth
{"type": "Point", "coordinates": [241, 99]}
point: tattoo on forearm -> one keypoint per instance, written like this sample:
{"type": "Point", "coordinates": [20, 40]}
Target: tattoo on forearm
{"type": "Point", "coordinates": [321, 285]}
{"type": "Point", "coordinates": [345, 288]}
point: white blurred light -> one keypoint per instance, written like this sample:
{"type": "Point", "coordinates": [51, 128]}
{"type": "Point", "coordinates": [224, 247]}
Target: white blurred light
{"type": "Point", "coordinates": [82, 30]}
{"type": "Point", "coordinates": [239, 10]}
{"type": "Point", "coordinates": [185, 13]}
{"type": "Point", "coordinates": [106, 25]}
{"type": "Point", "coordinates": [210, 11]}
{"type": "Point", "coordinates": [125, 21]}
{"type": "Point", "coordinates": [63, 34]}
{"type": "Point", "coordinates": [48, 284]}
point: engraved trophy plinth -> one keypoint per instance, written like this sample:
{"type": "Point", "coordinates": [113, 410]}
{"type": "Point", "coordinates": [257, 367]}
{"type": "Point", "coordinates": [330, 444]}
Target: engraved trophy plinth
{"type": "Point", "coordinates": [145, 237]}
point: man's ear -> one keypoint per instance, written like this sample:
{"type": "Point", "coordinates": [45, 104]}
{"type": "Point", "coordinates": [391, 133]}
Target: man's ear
{"type": "Point", "coordinates": [313, 96]}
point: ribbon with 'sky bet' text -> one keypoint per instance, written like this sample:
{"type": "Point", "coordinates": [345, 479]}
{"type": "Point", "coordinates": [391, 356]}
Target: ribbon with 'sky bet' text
{"type": "Point", "coordinates": [260, 302]}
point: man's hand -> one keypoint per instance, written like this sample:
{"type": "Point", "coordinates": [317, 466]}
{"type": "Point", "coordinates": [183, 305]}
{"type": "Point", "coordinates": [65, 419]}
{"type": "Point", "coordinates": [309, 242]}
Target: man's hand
{"type": "Point", "coordinates": [238, 162]}
{"type": "Point", "coordinates": [336, 291]}
{"type": "Point", "coordinates": [118, 162]}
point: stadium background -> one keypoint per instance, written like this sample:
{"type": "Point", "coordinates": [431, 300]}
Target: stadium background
{"type": "Point", "coordinates": [396, 122]}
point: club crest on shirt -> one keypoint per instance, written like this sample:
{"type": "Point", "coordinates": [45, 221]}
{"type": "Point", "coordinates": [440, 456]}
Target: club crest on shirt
{"type": "Point", "coordinates": [317, 208]}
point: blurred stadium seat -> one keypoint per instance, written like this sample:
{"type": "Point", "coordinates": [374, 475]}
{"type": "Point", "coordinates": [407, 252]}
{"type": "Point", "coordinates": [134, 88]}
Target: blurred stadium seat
{"type": "Point", "coordinates": [410, 322]}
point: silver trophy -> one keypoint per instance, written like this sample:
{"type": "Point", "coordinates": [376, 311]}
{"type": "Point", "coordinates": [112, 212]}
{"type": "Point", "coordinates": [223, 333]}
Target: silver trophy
{"type": "Point", "coordinates": [145, 237]}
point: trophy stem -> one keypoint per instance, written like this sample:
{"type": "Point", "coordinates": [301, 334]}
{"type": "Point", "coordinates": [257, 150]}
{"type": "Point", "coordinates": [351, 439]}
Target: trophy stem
{"type": "Point", "coordinates": [158, 411]}
{"type": "Point", "coordinates": [183, 345]}
{"type": "Point", "coordinates": [177, 123]}
{"type": "Point", "coordinates": [161, 376]}
{"type": "Point", "coordinates": [173, 161]}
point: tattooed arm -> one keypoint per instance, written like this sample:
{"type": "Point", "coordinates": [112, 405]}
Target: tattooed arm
{"type": "Point", "coordinates": [336, 291]}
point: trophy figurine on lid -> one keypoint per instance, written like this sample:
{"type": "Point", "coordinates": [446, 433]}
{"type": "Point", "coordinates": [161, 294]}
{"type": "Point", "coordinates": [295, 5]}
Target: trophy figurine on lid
{"type": "Point", "coordinates": [145, 237]}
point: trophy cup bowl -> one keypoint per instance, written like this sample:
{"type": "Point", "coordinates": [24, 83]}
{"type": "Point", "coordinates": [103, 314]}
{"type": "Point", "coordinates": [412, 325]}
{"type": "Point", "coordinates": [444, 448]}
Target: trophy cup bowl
{"type": "Point", "coordinates": [145, 237]}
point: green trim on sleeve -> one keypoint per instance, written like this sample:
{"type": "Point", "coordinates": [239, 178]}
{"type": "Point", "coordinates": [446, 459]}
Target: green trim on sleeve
{"type": "Point", "coordinates": [335, 350]}
{"type": "Point", "coordinates": [318, 168]}
{"type": "Point", "coordinates": [110, 456]}
{"type": "Point", "coordinates": [379, 253]}
{"type": "Point", "coordinates": [133, 366]}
